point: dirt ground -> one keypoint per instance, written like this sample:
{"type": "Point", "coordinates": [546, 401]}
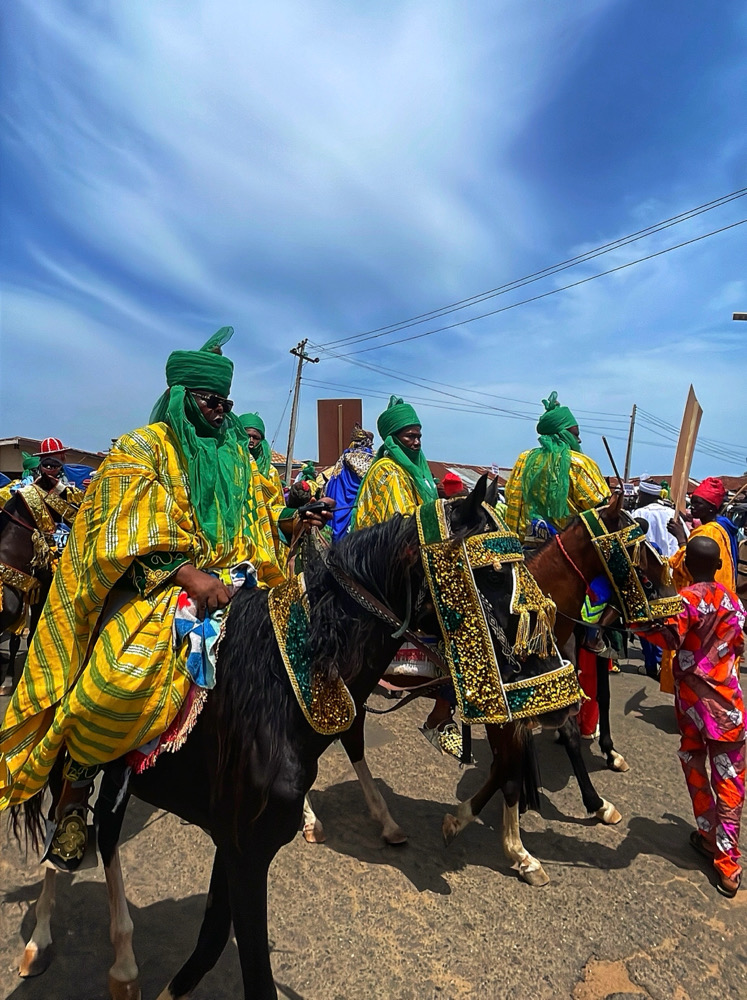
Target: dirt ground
{"type": "Point", "coordinates": [631, 910]}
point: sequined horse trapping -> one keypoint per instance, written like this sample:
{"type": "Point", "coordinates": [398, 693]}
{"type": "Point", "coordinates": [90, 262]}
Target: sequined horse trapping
{"type": "Point", "coordinates": [328, 707]}
{"type": "Point", "coordinates": [482, 695]}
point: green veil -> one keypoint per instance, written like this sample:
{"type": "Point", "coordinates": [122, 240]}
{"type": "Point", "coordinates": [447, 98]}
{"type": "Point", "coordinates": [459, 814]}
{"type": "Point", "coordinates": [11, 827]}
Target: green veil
{"type": "Point", "coordinates": [546, 475]}
{"type": "Point", "coordinates": [396, 416]}
{"type": "Point", "coordinates": [261, 453]}
{"type": "Point", "coordinates": [216, 457]}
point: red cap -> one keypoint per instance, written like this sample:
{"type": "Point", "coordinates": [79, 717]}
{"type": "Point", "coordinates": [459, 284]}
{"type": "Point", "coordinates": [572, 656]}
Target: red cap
{"type": "Point", "coordinates": [452, 484]}
{"type": "Point", "coordinates": [712, 490]}
{"type": "Point", "coordinates": [51, 446]}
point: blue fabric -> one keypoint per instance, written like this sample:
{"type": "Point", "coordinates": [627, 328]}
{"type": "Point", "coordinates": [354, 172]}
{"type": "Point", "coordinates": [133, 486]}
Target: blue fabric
{"type": "Point", "coordinates": [3, 480]}
{"type": "Point", "coordinates": [343, 489]}
{"type": "Point", "coordinates": [733, 532]}
{"type": "Point", "coordinates": [77, 473]}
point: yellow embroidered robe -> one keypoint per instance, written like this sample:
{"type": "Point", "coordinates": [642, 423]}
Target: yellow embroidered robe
{"type": "Point", "coordinates": [131, 686]}
{"type": "Point", "coordinates": [387, 490]}
{"type": "Point", "coordinates": [587, 488]}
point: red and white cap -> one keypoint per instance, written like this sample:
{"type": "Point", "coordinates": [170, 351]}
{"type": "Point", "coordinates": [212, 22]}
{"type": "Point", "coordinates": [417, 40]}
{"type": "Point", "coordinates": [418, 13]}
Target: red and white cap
{"type": "Point", "coordinates": [51, 446]}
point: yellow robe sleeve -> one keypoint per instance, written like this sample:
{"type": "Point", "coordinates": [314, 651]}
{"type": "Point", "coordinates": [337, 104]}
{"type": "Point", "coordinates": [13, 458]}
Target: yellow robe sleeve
{"type": "Point", "coordinates": [387, 490]}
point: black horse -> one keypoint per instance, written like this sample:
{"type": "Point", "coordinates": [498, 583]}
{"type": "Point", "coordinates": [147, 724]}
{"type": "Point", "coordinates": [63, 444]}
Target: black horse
{"type": "Point", "coordinates": [245, 769]}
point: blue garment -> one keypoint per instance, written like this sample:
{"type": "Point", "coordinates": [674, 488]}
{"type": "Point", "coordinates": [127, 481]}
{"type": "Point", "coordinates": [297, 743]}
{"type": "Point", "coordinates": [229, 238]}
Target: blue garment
{"type": "Point", "coordinates": [343, 489]}
{"type": "Point", "coordinates": [733, 532]}
{"type": "Point", "coordinates": [3, 480]}
{"type": "Point", "coordinates": [77, 473]}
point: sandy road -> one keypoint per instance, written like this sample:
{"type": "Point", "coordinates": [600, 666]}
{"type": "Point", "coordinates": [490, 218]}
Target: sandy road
{"type": "Point", "coordinates": [630, 911]}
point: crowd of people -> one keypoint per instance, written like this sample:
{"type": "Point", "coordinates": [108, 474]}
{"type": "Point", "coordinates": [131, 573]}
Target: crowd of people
{"type": "Point", "coordinates": [188, 508]}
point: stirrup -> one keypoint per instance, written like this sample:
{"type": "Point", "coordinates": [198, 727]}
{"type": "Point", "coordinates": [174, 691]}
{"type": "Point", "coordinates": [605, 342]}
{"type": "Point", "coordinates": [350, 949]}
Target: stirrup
{"type": "Point", "coordinates": [446, 740]}
{"type": "Point", "coordinates": [68, 840]}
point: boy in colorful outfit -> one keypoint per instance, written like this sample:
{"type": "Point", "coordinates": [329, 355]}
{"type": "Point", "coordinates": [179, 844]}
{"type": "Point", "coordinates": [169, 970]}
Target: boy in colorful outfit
{"type": "Point", "coordinates": [709, 638]}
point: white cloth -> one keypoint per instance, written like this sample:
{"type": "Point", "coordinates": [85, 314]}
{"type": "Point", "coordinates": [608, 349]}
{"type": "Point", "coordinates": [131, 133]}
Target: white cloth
{"type": "Point", "coordinates": [658, 516]}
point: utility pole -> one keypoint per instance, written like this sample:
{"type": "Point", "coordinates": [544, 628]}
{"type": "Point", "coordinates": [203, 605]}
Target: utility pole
{"type": "Point", "coordinates": [298, 350]}
{"type": "Point", "coordinates": [629, 452]}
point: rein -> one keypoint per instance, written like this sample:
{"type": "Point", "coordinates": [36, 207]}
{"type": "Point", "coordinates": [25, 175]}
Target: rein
{"type": "Point", "coordinates": [572, 564]}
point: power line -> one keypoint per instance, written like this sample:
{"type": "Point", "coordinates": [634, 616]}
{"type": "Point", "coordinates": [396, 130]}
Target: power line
{"type": "Point", "coordinates": [543, 295]}
{"type": "Point", "coordinates": [537, 275]}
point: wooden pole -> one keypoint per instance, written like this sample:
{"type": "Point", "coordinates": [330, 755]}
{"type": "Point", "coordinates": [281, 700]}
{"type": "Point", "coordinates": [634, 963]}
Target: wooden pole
{"type": "Point", "coordinates": [685, 447]}
{"type": "Point", "coordinates": [298, 350]}
{"type": "Point", "coordinates": [629, 452]}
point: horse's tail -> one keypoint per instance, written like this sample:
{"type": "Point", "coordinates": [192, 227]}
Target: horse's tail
{"type": "Point", "coordinates": [531, 781]}
{"type": "Point", "coordinates": [27, 821]}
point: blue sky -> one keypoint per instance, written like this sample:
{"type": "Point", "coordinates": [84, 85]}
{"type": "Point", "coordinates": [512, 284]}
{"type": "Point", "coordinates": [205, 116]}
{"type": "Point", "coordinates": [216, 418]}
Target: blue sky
{"type": "Point", "coordinates": [321, 170]}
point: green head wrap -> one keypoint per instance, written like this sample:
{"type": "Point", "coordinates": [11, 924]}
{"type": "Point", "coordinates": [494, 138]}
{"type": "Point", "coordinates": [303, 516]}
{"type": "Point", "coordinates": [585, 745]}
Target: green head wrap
{"type": "Point", "coordinates": [394, 418]}
{"type": "Point", "coordinates": [217, 457]}
{"type": "Point", "coordinates": [308, 472]}
{"type": "Point", "coordinates": [397, 415]}
{"type": "Point", "coordinates": [261, 453]}
{"type": "Point", "coordinates": [546, 476]}
{"type": "Point", "coordinates": [30, 462]}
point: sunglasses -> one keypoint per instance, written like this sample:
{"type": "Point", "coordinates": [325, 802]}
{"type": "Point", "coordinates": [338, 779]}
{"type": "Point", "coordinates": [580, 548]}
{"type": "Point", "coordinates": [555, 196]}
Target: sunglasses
{"type": "Point", "coordinates": [212, 400]}
{"type": "Point", "coordinates": [50, 463]}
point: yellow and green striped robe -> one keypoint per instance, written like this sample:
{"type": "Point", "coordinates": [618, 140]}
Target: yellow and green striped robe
{"type": "Point", "coordinates": [387, 490]}
{"type": "Point", "coordinates": [131, 686]}
{"type": "Point", "coordinates": [587, 488]}
{"type": "Point", "coordinates": [272, 491]}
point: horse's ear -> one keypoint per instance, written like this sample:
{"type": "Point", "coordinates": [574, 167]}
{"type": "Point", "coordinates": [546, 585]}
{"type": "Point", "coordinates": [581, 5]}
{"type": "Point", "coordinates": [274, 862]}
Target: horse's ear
{"type": "Point", "coordinates": [611, 513]}
{"type": "Point", "coordinates": [468, 513]}
{"type": "Point", "coordinates": [491, 495]}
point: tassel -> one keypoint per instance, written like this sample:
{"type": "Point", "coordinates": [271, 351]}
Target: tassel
{"type": "Point", "coordinates": [41, 558]}
{"type": "Point", "coordinates": [667, 578]}
{"type": "Point", "coordinates": [521, 644]}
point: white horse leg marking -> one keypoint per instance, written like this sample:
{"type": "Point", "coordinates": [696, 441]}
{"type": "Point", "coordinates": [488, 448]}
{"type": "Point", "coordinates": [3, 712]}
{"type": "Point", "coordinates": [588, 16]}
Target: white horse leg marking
{"type": "Point", "coordinates": [528, 867]}
{"type": "Point", "coordinates": [313, 831]}
{"type": "Point", "coordinates": [123, 975]}
{"type": "Point", "coordinates": [38, 952]}
{"type": "Point", "coordinates": [607, 813]}
{"type": "Point", "coordinates": [452, 826]}
{"type": "Point", "coordinates": [377, 807]}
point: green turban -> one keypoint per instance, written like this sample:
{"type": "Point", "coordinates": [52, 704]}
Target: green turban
{"type": "Point", "coordinates": [397, 415]}
{"type": "Point", "coordinates": [217, 458]}
{"type": "Point", "coordinates": [394, 418]}
{"type": "Point", "coordinates": [547, 469]}
{"type": "Point", "coordinates": [556, 418]}
{"type": "Point", "coordinates": [203, 369]}
{"type": "Point", "coordinates": [261, 453]}
{"type": "Point", "coordinates": [30, 462]}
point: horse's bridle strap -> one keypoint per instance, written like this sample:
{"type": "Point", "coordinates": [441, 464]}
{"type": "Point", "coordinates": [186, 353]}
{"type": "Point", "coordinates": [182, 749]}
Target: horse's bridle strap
{"type": "Point", "coordinates": [370, 603]}
{"type": "Point", "coordinates": [17, 579]}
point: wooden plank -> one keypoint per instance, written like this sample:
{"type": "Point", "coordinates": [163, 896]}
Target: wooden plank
{"type": "Point", "coordinates": [685, 447]}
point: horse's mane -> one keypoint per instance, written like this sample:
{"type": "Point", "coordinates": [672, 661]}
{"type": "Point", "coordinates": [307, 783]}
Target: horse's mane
{"type": "Point", "coordinates": [253, 700]}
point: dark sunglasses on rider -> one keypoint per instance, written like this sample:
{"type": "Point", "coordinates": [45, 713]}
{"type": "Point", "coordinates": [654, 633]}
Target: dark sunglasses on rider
{"type": "Point", "coordinates": [212, 400]}
{"type": "Point", "coordinates": [50, 463]}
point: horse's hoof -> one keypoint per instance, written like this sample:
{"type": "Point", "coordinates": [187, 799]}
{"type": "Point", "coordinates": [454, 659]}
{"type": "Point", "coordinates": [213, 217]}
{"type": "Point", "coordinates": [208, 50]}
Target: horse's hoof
{"type": "Point", "coordinates": [608, 814]}
{"type": "Point", "coordinates": [536, 877]}
{"type": "Point", "coordinates": [35, 961]}
{"type": "Point", "coordinates": [395, 838]}
{"type": "Point", "coordinates": [449, 829]}
{"type": "Point", "coordinates": [124, 991]}
{"type": "Point", "coordinates": [313, 833]}
{"type": "Point", "coordinates": [616, 762]}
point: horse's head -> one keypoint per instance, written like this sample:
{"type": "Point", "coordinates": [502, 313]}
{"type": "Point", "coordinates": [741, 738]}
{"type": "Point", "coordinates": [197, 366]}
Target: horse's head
{"type": "Point", "coordinates": [650, 567]}
{"type": "Point", "coordinates": [477, 573]}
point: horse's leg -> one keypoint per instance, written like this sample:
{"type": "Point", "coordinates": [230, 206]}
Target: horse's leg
{"type": "Point", "coordinates": [38, 952]}
{"type": "Point", "coordinates": [615, 760]}
{"type": "Point", "coordinates": [313, 831]}
{"type": "Point", "coordinates": [111, 805]}
{"type": "Point", "coordinates": [354, 744]}
{"type": "Point", "coordinates": [470, 809]}
{"type": "Point", "coordinates": [123, 975]}
{"type": "Point", "coordinates": [214, 932]}
{"type": "Point", "coordinates": [248, 899]}
{"type": "Point", "coordinates": [528, 867]}
{"type": "Point", "coordinates": [570, 737]}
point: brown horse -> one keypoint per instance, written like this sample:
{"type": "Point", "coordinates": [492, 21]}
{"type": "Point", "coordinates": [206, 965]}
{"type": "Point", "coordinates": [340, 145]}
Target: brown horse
{"type": "Point", "coordinates": [563, 571]}
{"type": "Point", "coordinates": [27, 557]}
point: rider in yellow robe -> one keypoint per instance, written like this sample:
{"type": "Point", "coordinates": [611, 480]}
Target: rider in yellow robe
{"type": "Point", "coordinates": [272, 488]}
{"type": "Point", "coordinates": [171, 501]}
{"type": "Point", "coordinates": [556, 481]}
